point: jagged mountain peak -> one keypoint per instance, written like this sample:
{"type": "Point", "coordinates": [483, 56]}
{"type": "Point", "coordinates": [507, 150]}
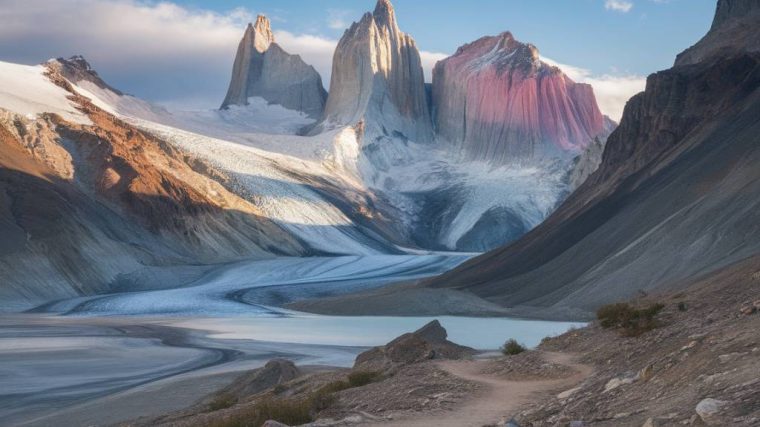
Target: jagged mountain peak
{"type": "Point", "coordinates": [377, 79]}
{"type": "Point", "coordinates": [384, 13]}
{"type": "Point", "coordinates": [263, 69]}
{"type": "Point", "coordinates": [260, 35]}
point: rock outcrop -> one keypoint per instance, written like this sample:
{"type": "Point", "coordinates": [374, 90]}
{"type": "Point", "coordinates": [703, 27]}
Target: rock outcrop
{"type": "Point", "coordinates": [733, 31]}
{"type": "Point", "coordinates": [377, 79]}
{"type": "Point", "coordinates": [275, 372]}
{"type": "Point", "coordinates": [263, 69]}
{"type": "Point", "coordinates": [497, 101]}
{"type": "Point", "coordinates": [677, 194]}
{"type": "Point", "coordinates": [428, 342]}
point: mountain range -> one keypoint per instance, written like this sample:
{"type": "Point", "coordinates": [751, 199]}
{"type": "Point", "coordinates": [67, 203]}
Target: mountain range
{"type": "Point", "coordinates": [501, 153]}
{"type": "Point", "coordinates": [676, 196]}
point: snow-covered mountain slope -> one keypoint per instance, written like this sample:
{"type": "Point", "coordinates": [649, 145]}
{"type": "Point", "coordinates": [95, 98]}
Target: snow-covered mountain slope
{"type": "Point", "coordinates": [25, 90]}
{"type": "Point", "coordinates": [88, 201]}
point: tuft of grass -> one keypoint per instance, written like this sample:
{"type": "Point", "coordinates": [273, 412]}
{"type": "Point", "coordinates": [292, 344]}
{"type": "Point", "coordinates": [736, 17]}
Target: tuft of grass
{"type": "Point", "coordinates": [362, 378]}
{"type": "Point", "coordinates": [512, 347]}
{"type": "Point", "coordinates": [630, 321]}
{"type": "Point", "coordinates": [324, 396]}
{"type": "Point", "coordinates": [290, 412]}
{"type": "Point", "coordinates": [222, 401]}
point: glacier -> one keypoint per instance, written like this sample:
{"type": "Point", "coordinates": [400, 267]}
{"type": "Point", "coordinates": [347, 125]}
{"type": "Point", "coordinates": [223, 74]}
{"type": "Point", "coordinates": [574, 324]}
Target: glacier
{"type": "Point", "coordinates": [259, 148]}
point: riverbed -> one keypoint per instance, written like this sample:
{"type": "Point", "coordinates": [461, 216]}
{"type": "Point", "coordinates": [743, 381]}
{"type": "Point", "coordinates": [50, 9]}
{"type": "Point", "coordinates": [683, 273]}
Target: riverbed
{"type": "Point", "coordinates": [111, 358]}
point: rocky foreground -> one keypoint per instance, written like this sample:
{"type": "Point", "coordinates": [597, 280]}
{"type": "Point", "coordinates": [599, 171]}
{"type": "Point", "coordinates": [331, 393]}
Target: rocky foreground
{"type": "Point", "coordinates": [695, 362]}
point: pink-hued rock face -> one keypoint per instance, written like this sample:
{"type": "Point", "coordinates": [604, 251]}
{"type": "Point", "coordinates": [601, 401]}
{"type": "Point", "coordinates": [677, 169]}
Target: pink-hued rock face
{"type": "Point", "coordinates": [496, 100]}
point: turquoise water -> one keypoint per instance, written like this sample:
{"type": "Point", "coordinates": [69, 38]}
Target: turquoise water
{"type": "Point", "coordinates": [478, 332]}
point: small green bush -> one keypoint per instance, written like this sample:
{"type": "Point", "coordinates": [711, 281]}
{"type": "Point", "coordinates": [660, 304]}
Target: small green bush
{"type": "Point", "coordinates": [512, 347]}
{"type": "Point", "coordinates": [631, 321]}
{"type": "Point", "coordinates": [222, 401]}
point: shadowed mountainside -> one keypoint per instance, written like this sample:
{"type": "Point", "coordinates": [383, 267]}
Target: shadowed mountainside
{"type": "Point", "coordinates": [677, 194]}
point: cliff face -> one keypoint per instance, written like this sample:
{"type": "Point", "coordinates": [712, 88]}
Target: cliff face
{"type": "Point", "coordinates": [495, 100]}
{"type": "Point", "coordinates": [263, 69]}
{"type": "Point", "coordinates": [734, 30]}
{"type": "Point", "coordinates": [377, 79]}
{"type": "Point", "coordinates": [677, 195]}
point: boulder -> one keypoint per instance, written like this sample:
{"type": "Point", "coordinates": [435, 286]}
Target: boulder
{"type": "Point", "coordinates": [709, 410]}
{"type": "Point", "coordinates": [617, 382]}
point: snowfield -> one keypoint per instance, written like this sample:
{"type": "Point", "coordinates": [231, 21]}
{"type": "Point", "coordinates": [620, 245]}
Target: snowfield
{"type": "Point", "coordinates": [27, 91]}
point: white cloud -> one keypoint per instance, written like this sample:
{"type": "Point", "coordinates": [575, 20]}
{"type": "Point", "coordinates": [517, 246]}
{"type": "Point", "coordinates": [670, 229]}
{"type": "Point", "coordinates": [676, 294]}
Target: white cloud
{"type": "Point", "coordinates": [165, 52]}
{"type": "Point", "coordinates": [618, 5]}
{"type": "Point", "coordinates": [611, 91]}
{"type": "Point", "coordinates": [428, 62]}
{"type": "Point", "coordinates": [159, 51]}
{"type": "Point", "coordinates": [337, 19]}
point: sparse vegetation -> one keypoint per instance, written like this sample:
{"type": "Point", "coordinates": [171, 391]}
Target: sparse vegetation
{"type": "Point", "coordinates": [361, 378]}
{"type": "Point", "coordinates": [512, 347]}
{"type": "Point", "coordinates": [682, 306]}
{"type": "Point", "coordinates": [632, 322]}
{"type": "Point", "coordinates": [222, 401]}
{"type": "Point", "coordinates": [287, 411]}
{"type": "Point", "coordinates": [296, 411]}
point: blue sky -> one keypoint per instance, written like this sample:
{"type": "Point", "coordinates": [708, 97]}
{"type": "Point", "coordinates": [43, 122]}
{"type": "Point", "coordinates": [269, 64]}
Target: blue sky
{"type": "Point", "coordinates": [581, 32]}
{"type": "Point", "coordinates": [180, 52]}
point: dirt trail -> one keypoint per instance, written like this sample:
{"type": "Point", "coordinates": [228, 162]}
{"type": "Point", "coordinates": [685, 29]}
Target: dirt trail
{"type": "Point", "coordinates": [500, 398]}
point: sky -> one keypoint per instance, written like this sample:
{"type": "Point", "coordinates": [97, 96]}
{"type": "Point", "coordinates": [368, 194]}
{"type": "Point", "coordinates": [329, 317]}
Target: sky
{"type": "Point", "coordinates": [179, 53]}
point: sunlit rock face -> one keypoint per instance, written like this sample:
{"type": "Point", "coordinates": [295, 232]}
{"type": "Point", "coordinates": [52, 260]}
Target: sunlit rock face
{"type": "Point", "coordinates": [497, 101]}
{"type": "Point", "coordinates": [263, 69]}
{"type": "Point", "coordinates": [377, 79]}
